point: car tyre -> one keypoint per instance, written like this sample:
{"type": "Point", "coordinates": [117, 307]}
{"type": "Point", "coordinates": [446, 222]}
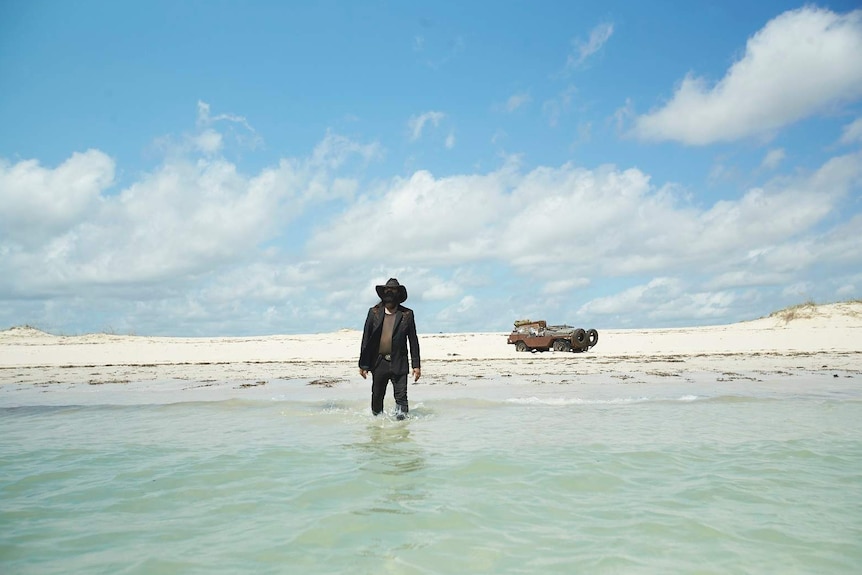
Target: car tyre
{"type": "Point", "coordinates": [580, 336]}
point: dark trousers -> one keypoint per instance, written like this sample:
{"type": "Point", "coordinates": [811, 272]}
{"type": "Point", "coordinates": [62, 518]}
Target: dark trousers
{"type": "Point", "coordinates": [380, 377]}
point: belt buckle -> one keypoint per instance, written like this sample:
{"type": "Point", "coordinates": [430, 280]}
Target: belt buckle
{"type": "Point", "coordinates": [387, 357]}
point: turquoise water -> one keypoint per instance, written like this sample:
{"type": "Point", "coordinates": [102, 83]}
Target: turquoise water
{"type": "Point", "coordinates": [501, 478]}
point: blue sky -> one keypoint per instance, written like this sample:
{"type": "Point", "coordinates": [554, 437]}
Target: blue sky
{"type": "Point", "coordinates": [237, 168]}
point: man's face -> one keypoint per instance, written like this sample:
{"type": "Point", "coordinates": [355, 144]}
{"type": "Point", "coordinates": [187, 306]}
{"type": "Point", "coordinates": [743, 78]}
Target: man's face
{"type": "Point", "coordinates": [390, 295]}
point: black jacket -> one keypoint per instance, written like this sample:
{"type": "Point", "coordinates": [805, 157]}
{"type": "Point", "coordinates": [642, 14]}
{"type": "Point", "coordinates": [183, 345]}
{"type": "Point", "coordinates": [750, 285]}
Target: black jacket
{"type": "Point", "coordinates": [403, 331]}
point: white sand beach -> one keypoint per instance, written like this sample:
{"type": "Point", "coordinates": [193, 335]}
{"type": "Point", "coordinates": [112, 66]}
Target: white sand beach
{"type": "Point", "coordinates": [812, 338]}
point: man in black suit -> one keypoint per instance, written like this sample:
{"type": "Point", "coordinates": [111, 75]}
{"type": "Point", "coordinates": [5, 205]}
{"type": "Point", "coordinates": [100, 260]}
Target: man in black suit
{"type": "Point", "coordinates": [389, 327]}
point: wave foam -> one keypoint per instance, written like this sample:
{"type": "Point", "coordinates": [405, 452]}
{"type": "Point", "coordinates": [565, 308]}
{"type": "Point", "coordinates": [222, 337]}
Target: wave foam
{"type": "Point", "coordinates": [561, 401]}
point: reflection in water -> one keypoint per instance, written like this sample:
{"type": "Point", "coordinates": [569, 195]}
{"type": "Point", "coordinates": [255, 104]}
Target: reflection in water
{"type": "Point", "coordinates": [392, 461]}
{"type": "Point", "coordinates": [391, 451]}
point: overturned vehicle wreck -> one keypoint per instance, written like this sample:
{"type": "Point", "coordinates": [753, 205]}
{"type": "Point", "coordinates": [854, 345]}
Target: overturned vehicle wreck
{"type": "Point", "coordinates": [531, 335]}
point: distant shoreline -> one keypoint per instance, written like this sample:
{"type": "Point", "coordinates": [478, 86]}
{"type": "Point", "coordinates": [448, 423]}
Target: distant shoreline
{"type": "Point", "coordinates": [822, 339]}
{"type": "Point", "coordinates": [787, 314]}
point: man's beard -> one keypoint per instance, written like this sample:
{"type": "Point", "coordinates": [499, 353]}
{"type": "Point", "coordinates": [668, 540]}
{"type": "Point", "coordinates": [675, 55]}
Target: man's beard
{"type": "Point", "coordinates": [389, 298]}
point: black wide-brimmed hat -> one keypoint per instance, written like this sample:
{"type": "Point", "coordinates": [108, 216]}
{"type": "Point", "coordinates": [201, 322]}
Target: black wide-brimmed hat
{"type": "Point", "coordinates": [392, 282]}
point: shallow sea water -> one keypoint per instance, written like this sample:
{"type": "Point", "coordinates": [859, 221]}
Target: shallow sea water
{"type": "Point", "coordinates": [499, 478]}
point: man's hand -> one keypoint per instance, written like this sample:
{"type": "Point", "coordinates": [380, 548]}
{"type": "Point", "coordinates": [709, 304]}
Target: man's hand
{"type": "Point", "coordinates": [363, 373]}
{"type": "Point", "coordinates": [417, 373]}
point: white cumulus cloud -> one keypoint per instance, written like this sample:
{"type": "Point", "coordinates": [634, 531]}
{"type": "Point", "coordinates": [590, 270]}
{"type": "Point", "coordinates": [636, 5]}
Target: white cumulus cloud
{"type": "Point", "coordinates": [38, 202]}
{"type": "Point", "coordinates": [571, 223]}
{"type": "Point", "coordinates": [62, 231]}
{"type": "Point", "coordinates": [209, 141]}
{"type": "Point", "coordinates": [800, 63]}
{"type": "Point", "coordinates": [197, 242]}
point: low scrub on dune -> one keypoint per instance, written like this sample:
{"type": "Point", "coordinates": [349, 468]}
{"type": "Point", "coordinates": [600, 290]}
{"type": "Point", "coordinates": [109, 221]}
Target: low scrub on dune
{"type": "Point", "coordinates": [810, 309]}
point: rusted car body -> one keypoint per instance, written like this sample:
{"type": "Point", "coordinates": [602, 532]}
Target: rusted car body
{"type": "Point", "coordinates": [539, 336]}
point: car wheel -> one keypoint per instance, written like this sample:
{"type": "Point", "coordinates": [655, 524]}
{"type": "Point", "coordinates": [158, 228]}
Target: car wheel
{"type": "Point", "coordinates": [521, 346]}
{"type": "Point", "coordinates": [580, 337]}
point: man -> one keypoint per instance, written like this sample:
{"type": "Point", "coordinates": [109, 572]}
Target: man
{"type": "Point", "coordinates": [388, 329]}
